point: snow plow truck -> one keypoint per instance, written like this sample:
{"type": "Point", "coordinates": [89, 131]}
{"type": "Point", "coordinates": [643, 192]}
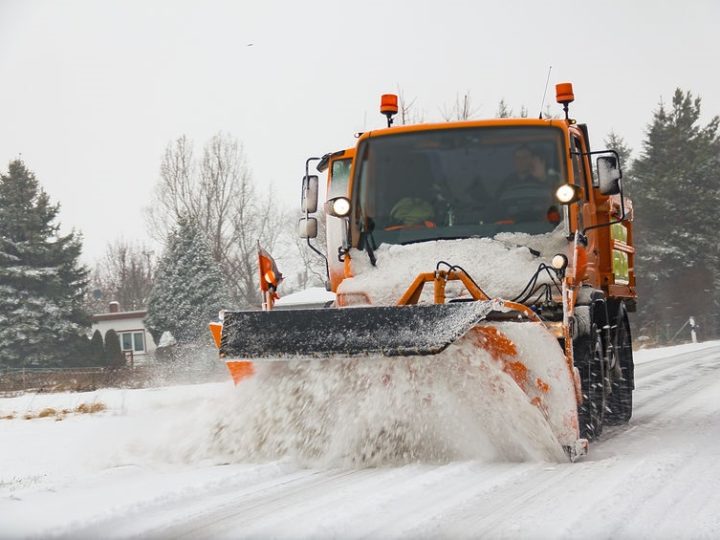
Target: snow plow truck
{"type": "Point", "coordinates": [523, 237]}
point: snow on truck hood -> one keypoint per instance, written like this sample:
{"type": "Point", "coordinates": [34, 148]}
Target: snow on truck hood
{"type": "Point", "coordinates": [501, 266]}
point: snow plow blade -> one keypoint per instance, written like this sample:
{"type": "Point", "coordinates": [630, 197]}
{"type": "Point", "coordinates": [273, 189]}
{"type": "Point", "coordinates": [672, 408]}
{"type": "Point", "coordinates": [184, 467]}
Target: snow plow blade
{"type": "Point", "coordinates": [483, 338]}
{"type": "Point", "coordinates": [363, 331]}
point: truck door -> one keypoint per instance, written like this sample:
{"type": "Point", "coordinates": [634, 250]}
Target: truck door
{"type": "Point", "coordinates": [339, 167]}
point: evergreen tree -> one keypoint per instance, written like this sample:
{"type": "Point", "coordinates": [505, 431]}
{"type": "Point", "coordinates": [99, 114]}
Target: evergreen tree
{"type": "Point", "coordinates": [41, 281]}
{"type": "Point", "coordinates": [615, 142]}
{"type": "Point", "coordinates": [675, 189]}
{"type": "Point", "coordinates": [97, 349]}
{"type": "Point", "coordinates": [113, 352]}
{"type": "Point", "coordinates": [189, 288]}
{"type": "Point", "coordinates": [503, 110]}
{"type": "Point", "coordinates": [78, 353]}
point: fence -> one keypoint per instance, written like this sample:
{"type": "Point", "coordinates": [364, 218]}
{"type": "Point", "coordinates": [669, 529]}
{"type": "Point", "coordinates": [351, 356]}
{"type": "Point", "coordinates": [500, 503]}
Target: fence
{"type": "Point", "coordinates": [14, 380]}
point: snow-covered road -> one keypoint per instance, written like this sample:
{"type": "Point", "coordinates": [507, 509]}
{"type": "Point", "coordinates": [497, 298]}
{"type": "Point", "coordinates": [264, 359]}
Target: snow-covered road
{"type": "Point", "coordinates": [659, 477]}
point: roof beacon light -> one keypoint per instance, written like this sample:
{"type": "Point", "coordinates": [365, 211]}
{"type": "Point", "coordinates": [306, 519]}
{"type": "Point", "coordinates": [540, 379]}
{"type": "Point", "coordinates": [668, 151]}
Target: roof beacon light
{"type": "Point", "coordinates": [389, 106]}
{"type": "Point", "coordinates": [565, 96]}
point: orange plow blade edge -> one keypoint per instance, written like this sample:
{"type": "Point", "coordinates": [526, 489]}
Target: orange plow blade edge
{"type": "Point", "coordinates": [239, 369]}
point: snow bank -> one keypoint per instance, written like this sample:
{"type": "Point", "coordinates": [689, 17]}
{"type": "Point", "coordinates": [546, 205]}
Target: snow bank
{"type": "Point", "coordinates": [48, 452]}
{"type": "Point", "coordinates": [648, 355]}
{"type": "Point", "coordinates": [118, 401]}
{"type": "Point", "coordinates": [502, 265]}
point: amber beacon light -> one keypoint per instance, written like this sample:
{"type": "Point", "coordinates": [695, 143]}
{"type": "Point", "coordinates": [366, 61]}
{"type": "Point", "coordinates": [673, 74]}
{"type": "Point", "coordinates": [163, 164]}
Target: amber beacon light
{"type": "Point", "coordinates": [389, 106]}
{"type": "Point", "coordinates": [564, 95]}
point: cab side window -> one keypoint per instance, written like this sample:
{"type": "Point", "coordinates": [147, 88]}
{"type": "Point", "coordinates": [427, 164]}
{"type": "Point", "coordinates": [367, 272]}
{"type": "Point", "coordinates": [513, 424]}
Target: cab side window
{"type": "Point", "coordinates": [340, 177]}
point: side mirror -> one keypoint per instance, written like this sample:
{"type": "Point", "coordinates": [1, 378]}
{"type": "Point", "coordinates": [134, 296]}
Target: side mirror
{"type": "Point", "coordinates": [308, 227]}
{"type": "Point", "coordinates": [309, 201]}
{"type": "Point", "coordinates": [609, 175]}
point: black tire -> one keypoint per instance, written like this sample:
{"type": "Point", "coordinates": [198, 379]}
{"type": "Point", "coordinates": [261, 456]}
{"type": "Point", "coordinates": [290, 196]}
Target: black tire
{"type": "Point", "coordinates": [588, 352]}
{"type": "Point", "coordinates": [620, 400]}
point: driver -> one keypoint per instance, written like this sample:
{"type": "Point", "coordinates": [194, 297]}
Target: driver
{"type": "Point", "coordinates": [529, 167]}
{"type": "Point", "coordinates": [527, 193]}
{"type": "Point", "coordinates": [411, 212]}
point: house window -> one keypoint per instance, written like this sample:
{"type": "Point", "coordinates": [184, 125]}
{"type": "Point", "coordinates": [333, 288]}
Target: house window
{"type": "Point", "coordinates": [133, 341]}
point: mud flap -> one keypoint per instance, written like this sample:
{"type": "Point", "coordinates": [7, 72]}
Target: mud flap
{"type": "Point", "coordinates": [317, 333]}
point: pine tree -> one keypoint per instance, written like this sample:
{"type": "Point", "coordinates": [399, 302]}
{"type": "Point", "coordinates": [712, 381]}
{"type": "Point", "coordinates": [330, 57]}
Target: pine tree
{"type": "Point", "coordinates": [97, 349]}
{"type": "Point", "coordinates": [189, 288]}
{"type": "Point", "coordinates": [113, 352]}
{"type": "Point", "coordinates": [77, 352]}
{"type": "Point", "coordinates": [615, 142]}
{"type": "Point", "coordinates": [41, 281]}
{"type": "Point", "coordinates": [675, 189]}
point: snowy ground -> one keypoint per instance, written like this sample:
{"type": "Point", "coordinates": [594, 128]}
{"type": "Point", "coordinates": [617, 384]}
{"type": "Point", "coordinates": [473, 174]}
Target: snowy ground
{"type": "Point", "coordinates": [145, 467]}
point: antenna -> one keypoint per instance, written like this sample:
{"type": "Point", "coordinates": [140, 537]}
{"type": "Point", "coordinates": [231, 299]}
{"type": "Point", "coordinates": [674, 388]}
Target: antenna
{"type": "Point", "coordinates": [545, 92]}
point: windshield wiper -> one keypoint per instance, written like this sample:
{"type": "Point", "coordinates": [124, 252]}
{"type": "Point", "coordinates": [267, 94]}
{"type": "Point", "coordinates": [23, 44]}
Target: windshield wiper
{"type": "Point", "coordinates": [419, 240]}
{"type": "Point", "coordinates": [367, 240]}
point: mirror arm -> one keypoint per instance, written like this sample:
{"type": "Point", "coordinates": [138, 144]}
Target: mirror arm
{"type": "Point", "coordinates": [316, 250]}
{"type": "Point", "coordinates": [307, 164]}
{"type": "Point", "coordinates": [307, 215]}
{"type": "Point", "coordinates": [609, 223]}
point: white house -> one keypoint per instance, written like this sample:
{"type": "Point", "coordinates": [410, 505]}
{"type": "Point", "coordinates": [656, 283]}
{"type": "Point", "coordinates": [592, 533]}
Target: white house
{"type": "Point", "coordinates": [135, 341]}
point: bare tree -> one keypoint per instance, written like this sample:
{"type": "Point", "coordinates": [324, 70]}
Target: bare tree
{"type": "Point", "coordinates": [256, 219]}
{"type": "Point", "coordinates": [505, 111]}
{"type": "Point", "coordinates": [219, 194]}
{"type": "Point", "coordinates": [225, 187]}
{"type": "Point", "coordinates": [125, 274]}
{"type": "Point", "coordinates": [313, 272]}
{"type": "Point", "coordinates": [408, 112]}
{"type": "Point", "coordinates": [462, 109]}
{"type": "Point", "coordinates": [175, 190]}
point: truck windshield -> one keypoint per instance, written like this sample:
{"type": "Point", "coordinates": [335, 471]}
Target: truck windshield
{"type": "Point", "coordinates": [459, 182]}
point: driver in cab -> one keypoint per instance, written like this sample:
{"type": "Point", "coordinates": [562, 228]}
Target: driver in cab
{"type": "Point", "coordinates": [527, 193]}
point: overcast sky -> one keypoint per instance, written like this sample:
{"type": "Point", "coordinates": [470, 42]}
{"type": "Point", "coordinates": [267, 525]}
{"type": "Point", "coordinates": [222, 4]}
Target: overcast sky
{"type": "Point", "coordinates": [91, 92]}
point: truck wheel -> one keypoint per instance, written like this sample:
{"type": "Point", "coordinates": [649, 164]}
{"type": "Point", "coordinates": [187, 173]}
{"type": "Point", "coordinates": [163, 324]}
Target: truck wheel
{"type": "Point", "coordinates": [620, 401]}
{"type": "Point", "coordinates": [588, 354]}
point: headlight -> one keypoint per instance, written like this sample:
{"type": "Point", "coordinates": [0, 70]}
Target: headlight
{"type": "Point", "coordinates": [567, 193]}
{"type": "Point", "coordinates": [338, 207]}
{"type": "Point", "coordinates": [559, 262]}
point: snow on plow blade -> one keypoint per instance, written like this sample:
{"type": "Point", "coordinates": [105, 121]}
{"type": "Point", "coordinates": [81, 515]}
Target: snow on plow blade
{"type": "Point", "coordinates": [511, 358]}
{"type": "Point", "coordinates": [317, 333]}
